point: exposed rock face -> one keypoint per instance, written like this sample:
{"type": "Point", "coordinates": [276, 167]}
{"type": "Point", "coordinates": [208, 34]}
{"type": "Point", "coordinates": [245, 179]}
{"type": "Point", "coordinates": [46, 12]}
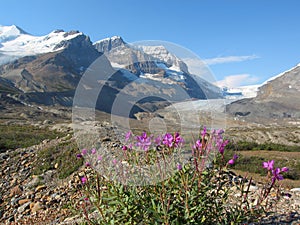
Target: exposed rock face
{"type": "Point", "coordinates": [157, 64]}
{"type": "Point", "coordinates": [164, 56]}
{"type": "Point", "coordinates": [108, 44]}
{"type": "Point", "coordinates": [277, 98]}
{"type": "Point", "coordinates": [120, 54]}
{"type": "Point", "coordinates": [139, 59]}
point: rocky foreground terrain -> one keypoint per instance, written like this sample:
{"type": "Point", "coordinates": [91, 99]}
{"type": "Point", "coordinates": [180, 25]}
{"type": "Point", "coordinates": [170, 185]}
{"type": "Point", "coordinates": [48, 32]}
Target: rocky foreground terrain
{"type": "Point", "coordinates": [26, 198]}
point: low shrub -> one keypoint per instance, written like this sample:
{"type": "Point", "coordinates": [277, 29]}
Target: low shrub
{"type": "Point", "coordinates": [61, 155]}
{"type": "Point", "coordinates": [194, 192]}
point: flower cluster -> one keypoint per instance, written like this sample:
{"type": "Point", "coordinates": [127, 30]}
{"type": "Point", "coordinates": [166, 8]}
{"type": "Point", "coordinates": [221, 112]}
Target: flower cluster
{"type": "Point", "coordinates": [171, 141]}
{"type": "Point", "coordinates": [191, 185]}
{"type": "Point", "coordinates": [143, 141]}
{"type": "Point", "coordinates": [275, 171]}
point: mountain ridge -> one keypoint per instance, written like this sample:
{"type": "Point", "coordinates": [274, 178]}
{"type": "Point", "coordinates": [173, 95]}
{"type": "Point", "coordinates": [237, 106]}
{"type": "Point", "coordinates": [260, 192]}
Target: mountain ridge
{"type": "Point", "coordinates": [50, 74]}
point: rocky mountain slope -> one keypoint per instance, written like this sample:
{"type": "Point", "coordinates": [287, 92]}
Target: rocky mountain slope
{"type": "Point", "coordinates": [155, 63]}
{"type": "Point", "coordinates": [46, 70]}
{"type": "Point", "coordinates": [277, 98]}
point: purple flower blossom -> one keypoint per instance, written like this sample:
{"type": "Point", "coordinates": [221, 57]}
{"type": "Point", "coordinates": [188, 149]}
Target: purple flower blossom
{"type": "Point", "coordinates": [203, 132]}
{"type": "Point", "coordinates": [93, 151]}
{"type": "Point", "coordinates": [99, 158]}
{"type": "Point", "coordinates": [143, 141]}
{"type": "Point", "coordinates": [179, 166]}
{"type": "Point", "coordinates": [232, 161]}
{"type": "Point", "coordinates": [235, 156]}
{"type": "Point", "coordinates": [276, 175]}
{"type": "Point", "coordinates": [197, 145]}
{"type": "Point", "coordinates": [128, 136]}
{"type": "Point", "coordinates": [84, 151]}
{"type": "Point", "coordinates": [168, 140]}
{"type": "Point", "coordinates": [284, 169]}
{"type": "Point", "coordinates": [222, 144]}
{"type": "Point", "coordinates": [158, 140]}
{"type": "Point", "coordinates": [124, 148]}
{"type": "Point", "coordinates": [177, 139]}
{"type": "Point", "coordinates": [87, 164]}
{"type": "Point", "coordinates": [268, 165]}
{"type": "Point", "coordinates": [115, 161]}
{"type": "Point", "coordinates": [79, 156]}
{"type": "Point", "coordinates": [219, 132]}
{"type": "Point", "coordinates": [83, 180]}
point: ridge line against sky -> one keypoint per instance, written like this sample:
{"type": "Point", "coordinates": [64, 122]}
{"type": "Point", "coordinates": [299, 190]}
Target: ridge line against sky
{"type": "Point", "coordinates": [243, 42]}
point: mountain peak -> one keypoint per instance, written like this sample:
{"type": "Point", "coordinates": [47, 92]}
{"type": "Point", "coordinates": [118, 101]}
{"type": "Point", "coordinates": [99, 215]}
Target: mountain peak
{"type": "Point", "coordinates": [8, 33]}
{"type": "Point", "coordinates": [107, 44]}
{"type": "Point", "coordinates": [113, 38]}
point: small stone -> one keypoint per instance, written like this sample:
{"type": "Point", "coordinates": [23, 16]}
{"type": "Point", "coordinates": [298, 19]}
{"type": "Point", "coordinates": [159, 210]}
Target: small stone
{"type": "Point", "coordinates": [13, 182]}
{"type": "Point", "coordinates": [45, 141]}
{"type": "Point", "coordinates": [31, 205]}
{"type": "Point", "coordinates": [34, 182]}
{"type": "Point", "coordinates": [13, 201]}
{"type": "Point", "coordinates": [47, 122]}
{"type": "Point", "coordinates": [15, 191]}
{"type": "Point", "coordinates": [295, 190]}
{"type": "Point", "coordinates": [36, 207]}
{"type": "Point", "coordinates": [106, 139]}
{"type": "Point", "coordinates": [23, 201]}
{"type": "Point", "coordinates": [23, 207]}
{"type": "Point", "coordinates": [39, 188]}
{"type": "Point", "coordinates": [56, 165]}
{"type": "Point", "coordinates": [81, 174]}
{"type": "Point", "coordinates": [57, 197]}
{"type": "Point", "coordinates": [38, 195]}
{"type": "Point", "coordinates": [251, 188]}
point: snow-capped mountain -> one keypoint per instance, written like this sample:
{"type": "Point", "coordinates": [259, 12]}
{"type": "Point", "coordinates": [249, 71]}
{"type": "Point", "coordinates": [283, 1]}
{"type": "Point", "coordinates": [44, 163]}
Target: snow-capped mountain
{"type": "Point", "coordinates": [44, 64]}
{"type": "Point", "coordinates": [161, 53]}
{"type": "Point", "coordinates": [16, 43]}
{"type": "Point", "coordinates": [47, 70]}
{"type": "Point", "coordinates": [107, 44]}
{"type": "Point", "coordinates": [8, 33]}
{"type": "Point", "coordinates": [155, 63]}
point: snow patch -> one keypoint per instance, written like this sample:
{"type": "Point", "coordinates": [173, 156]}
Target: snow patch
{"type": "Point", "coordinates": [113, 38]}
{"type": "Point", "coordinates": [16, 43]}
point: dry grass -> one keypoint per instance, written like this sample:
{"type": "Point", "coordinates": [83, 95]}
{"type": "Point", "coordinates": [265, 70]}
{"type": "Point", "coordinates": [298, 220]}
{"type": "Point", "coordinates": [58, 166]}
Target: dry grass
{"type": "Point", "coordinates": [277, 156]}
{"type": "Point", "coordinates": [272, 154]}
{"type": "Point", "coordinates": [286, 183]}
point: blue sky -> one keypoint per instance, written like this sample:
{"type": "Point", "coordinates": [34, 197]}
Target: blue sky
{"type": "Point", "coordinates": [243, 41]}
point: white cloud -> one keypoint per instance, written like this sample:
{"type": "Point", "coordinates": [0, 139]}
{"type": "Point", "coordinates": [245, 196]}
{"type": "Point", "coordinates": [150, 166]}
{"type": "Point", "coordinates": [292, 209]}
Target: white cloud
{"type": "Point", "coordinates": [237, 80]}
{"type": "Point", "coordinates": [229, 59]}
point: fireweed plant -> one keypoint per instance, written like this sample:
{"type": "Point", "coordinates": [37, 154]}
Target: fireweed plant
{"type": "Point", "coordinates": [196, 192]}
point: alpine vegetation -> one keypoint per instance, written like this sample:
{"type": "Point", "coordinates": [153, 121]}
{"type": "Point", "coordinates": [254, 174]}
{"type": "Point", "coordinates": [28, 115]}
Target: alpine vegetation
{"type": "Point", "coordinates": [198, 191]}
